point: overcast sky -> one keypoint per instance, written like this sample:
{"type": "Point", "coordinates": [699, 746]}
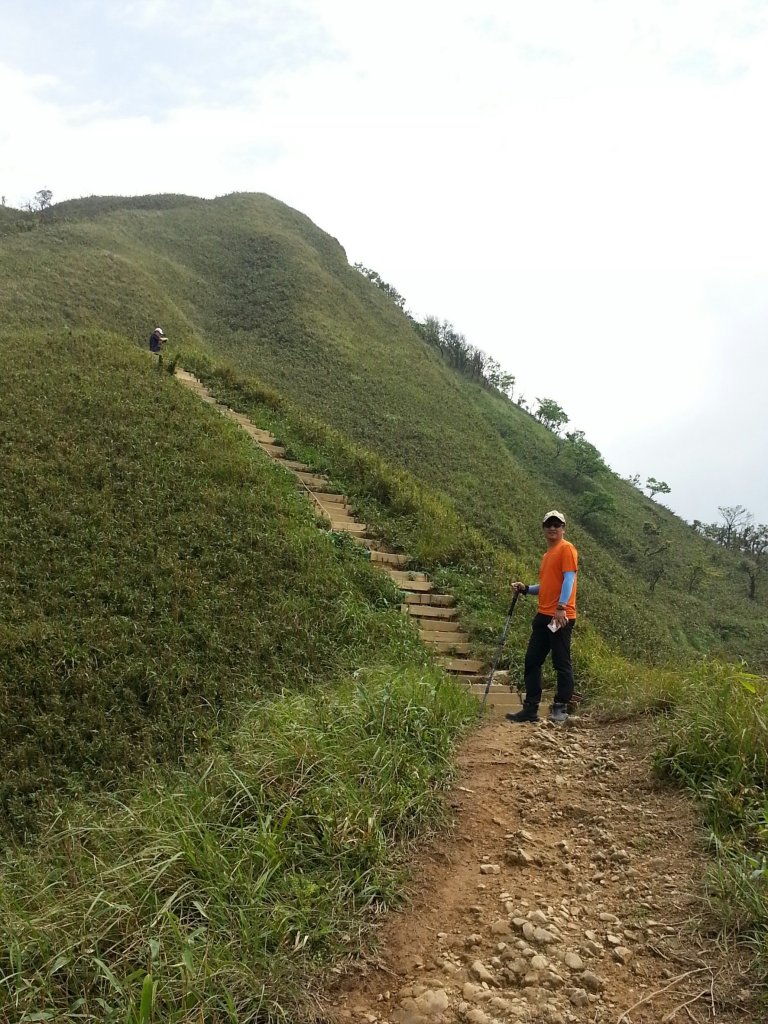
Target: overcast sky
{"type": "Point", "coordinates": [579, 186]}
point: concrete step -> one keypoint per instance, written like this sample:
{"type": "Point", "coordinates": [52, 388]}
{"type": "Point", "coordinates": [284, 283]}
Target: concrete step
{"type": "Point", "coordinates": [196, 388]}
{"type": "Point", "coordinates": [187, 378]}
{"type": "Point", "coordinates": [428, 611]}
{"type": "Point", "coordinates": [405, 574]}
{"type": "Point", "coordinates": [328, 498]}
{"type": "Point", "coordinates": [314, 481]}
{"type": "Point", "coordinates": [478, 687]}
{"type": "Point", "coordinates": [387, 558]}
{"type": "Point", "coordinates": [238, 417]}
{"type": "Point", "coordinates": [482, 678]}
{"type": "Point", "coordinates": [348, 526]}
{"type": "Point", "coordinates": [413, 586]}
{"type": "Point", "coordinates": [501, 705]}
{"type": "Point", "coordinates": [444, 646]}
{"type": "Point", "coordinates": [275, 450]}
{"type": "Point", "coordinates": [297, 467]}
{"type": "Point", "coordinates": [500, 691]}
{"type": "Point", "coordinates": [441, 625]}
{"type": "Point", "coordinates": [442, 636]}
{"type": "Point", "coordinates": [462, 666]}
{"type": "Point", "coordinates": [435, 600]}
{"type": "Point", "coordinates": [338, 512]}
{"type": "Point", "coordinates": [370, 542]}
{"type": "Point", "coordinates": [262, 436]}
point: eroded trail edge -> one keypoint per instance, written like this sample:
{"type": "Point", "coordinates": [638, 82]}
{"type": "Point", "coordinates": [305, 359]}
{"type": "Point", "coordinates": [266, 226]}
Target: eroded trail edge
{"type": "Point", "coordinates": [568, 892]}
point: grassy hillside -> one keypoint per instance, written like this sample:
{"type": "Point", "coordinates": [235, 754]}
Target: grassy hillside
{"type": "Point", "coordinates": [200, 804]}
{"type": "Point", "coordinates": [253, 284]}
{"type": "Point", "coordinates": [156, 571]}
{"type": "Point", "coordinates": [219, 734]}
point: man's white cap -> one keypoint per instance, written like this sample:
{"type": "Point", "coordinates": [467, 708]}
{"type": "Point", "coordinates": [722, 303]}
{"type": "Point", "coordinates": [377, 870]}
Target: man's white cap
{"type": "Point", "coordinates": [554, 514]}
{"type": "Point", "coordinates": [159, 330]}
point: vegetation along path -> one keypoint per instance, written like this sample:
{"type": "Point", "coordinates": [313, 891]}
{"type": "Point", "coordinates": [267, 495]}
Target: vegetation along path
{"type": "Point", "coordinates": [568, 889]}
{"type": "Point", "coordinates": [434, 613]}
{"type": "Point", "coordinates": [567, 892]}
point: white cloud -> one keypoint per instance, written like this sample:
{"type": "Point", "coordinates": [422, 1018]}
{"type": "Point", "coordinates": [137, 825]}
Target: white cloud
{"type": "Point", "coordinates": [569, 181]}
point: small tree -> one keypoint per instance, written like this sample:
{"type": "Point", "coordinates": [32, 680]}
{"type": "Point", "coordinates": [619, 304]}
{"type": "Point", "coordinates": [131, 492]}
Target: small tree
{"type": "Point", "coordinates": [454, 348]}
{"type": "Point", "coordinates": [582, 454]}
{"type": "Point", "coordinates": [655, 550]}
{"type": "Point", "coordinates": [696, 575]}
{"type": "Point", "coordinates": [656, 570]}
{"type": "Point", "coordinates": [736, 520]}
{"type": "Point", "coordinates": [41, 201]}
{"type": "Point", "coordinates": [499, 379]}
{"type": "Point", "coordinates": [735, 532]}
{"type": "Point", "coordinates": [755, 543]}
{"type": "Point", "coordinates": [551, 414]}
{"type": "Point", "coordinates": [597, 503]}
{"type": "Point", "coordinates": [655, 486]}
{"type": "Point", "coordinates": [375, 278]}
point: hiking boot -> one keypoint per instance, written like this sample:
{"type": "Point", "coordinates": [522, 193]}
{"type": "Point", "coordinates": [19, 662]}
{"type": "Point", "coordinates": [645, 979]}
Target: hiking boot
{"type": "Point", "coordinates": [559, 714]}
{"type": "Point", "coordinates": [525, 714]}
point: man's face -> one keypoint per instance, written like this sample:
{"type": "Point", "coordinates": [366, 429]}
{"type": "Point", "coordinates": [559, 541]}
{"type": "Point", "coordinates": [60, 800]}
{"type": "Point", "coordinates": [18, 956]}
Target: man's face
{"type": "Point", "coordinates": [554, 529]}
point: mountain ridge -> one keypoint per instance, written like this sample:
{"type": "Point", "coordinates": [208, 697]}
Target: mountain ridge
{"type": "Point", "coordinates": [248, 282]}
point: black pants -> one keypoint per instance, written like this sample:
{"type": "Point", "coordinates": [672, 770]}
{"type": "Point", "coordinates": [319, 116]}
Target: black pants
{"type": "Point", "coordinates": [543, 641]}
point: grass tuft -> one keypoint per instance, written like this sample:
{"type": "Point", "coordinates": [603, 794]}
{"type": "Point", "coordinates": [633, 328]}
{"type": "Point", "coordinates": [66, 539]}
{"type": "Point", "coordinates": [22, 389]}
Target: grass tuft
{"type": "Point", "coordinates": [716, 743]}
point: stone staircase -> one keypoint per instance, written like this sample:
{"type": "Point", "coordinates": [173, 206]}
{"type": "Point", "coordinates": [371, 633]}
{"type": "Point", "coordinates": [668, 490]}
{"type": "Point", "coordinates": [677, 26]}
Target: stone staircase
{"type": "Point", "coordinates": [435, 614]}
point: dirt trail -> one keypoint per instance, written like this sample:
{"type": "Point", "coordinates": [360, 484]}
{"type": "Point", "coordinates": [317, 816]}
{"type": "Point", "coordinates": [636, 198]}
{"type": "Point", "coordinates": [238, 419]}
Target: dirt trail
{"type": "Point", "coordinates": [565, 893]}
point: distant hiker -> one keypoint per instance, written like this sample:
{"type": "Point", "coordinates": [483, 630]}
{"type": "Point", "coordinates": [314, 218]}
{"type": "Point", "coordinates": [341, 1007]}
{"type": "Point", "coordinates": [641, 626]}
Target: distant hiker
{"type": "Point", "coordinates": [552, 624]}
{"type": "Point", "coordinates": [156, 340]}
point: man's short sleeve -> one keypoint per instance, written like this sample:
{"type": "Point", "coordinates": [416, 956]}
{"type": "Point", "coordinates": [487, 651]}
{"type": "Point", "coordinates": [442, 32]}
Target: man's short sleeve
{"type": "Point", "coordinates": [570, 558]}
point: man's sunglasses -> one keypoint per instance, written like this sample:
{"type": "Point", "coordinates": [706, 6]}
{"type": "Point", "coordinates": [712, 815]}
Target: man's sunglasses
{"type": "Point", "coordinates": [553, 522]}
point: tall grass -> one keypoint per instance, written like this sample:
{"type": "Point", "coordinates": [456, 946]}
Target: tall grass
{"type": "Point", "coordinates": [217, 893]}
{"type": "Point", "coordinates": [156, 570]}
{"type": "Point", "coordinates": [716, 743]}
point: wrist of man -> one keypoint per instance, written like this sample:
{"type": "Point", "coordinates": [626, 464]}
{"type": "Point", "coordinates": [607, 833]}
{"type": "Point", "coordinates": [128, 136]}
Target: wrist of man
{"type": "Point", "coordinates": [561, 607]}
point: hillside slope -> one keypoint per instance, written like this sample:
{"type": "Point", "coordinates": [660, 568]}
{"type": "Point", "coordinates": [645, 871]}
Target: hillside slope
{"type": "Point", "coordinates": [223, 730]}
{"type": "Point", "coordinates": [156, 572]}
{"type": "Point", "coordinates": [255, 286]}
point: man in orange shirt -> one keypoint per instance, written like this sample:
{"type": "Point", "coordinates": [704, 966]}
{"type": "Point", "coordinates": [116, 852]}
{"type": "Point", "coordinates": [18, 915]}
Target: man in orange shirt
{"type": "Point", "coordinates": [553, 623]}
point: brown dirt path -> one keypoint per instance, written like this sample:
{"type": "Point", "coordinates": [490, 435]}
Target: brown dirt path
{"type": "Point", "coordinates": [565, 894]}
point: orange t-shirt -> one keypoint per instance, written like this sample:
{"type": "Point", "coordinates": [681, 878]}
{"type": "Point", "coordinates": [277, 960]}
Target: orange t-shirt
{"type": "Point", "coordinates": [562, 558]}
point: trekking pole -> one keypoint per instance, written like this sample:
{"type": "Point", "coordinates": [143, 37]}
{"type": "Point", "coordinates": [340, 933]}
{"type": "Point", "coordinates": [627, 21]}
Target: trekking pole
{"type": "Point", "coordinates": [501, 645]}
